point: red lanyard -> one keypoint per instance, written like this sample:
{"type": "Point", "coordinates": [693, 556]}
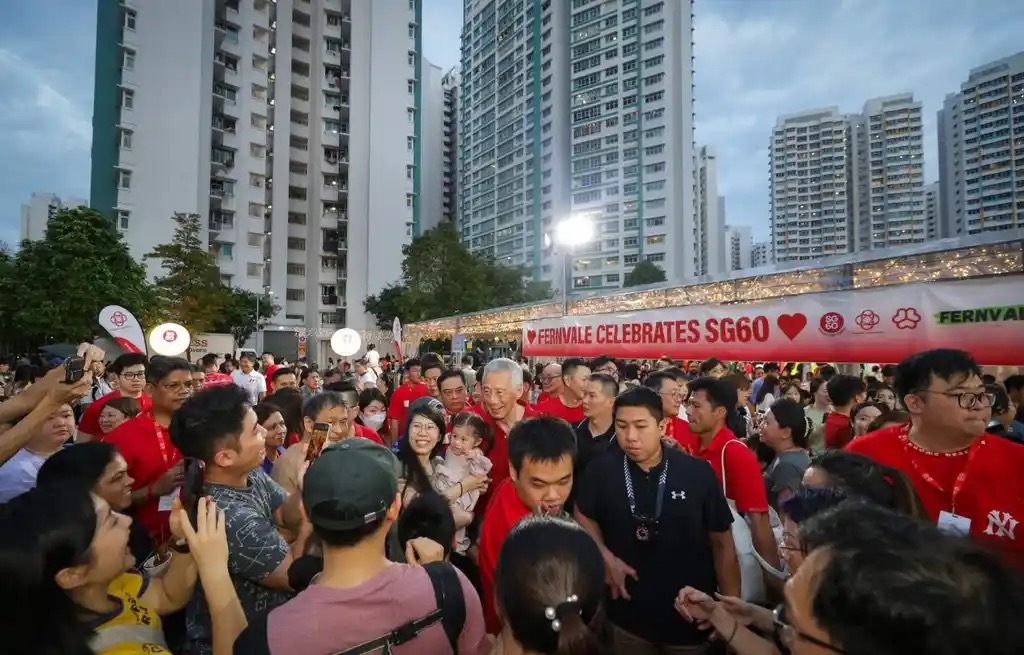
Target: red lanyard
{"type": "Point", "coordinates": [961, 478]}
{"type": "Point", "coordinates": [161, 440]}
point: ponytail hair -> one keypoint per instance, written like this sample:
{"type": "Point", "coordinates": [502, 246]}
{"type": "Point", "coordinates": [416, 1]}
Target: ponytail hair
{"type": "Point", "coordinates": [549, 585]}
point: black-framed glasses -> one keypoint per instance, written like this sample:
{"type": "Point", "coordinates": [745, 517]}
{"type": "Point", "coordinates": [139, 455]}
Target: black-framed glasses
{"type": "Point", "coordinates": [786, 635]}
{"type": "Point", "coordinates": [967, 399]}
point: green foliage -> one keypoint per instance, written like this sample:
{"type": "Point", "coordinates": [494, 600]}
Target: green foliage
{"type": "Point", "coordinates": [193, 291]}
{"type": "Point", "coordinates": [643, 273]}
{"type": "Point", "coordinates": [239, 315]}
{"type": "Point", "coordinates": [52, 290]}
{"type": "Point", "coordinates": [441, 277]}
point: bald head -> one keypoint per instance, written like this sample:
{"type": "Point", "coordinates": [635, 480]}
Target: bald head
{"type": "Point", "coordinates": [551, 379]}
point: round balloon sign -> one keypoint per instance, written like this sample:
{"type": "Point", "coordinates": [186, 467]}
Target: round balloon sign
{"type": "Point", "coordinates": [346, 342]}
{"type": "Point", "coordinates": [169, 340]}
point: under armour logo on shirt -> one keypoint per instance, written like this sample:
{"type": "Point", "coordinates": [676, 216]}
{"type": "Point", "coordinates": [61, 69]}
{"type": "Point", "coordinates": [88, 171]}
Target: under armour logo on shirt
{"type": "Point", "coordinates": [678, 495]}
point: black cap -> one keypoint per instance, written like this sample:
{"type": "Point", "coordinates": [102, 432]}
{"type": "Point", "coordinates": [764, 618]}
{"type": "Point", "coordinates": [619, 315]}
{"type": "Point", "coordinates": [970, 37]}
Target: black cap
{"type": "Point", "coordinates": [351, 484]}
{"type": "Point", "coordinates": [426, 402]}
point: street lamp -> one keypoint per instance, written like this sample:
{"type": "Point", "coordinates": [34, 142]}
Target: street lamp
{"type": "Point", "coordinates": [259, 332]}
{"type": "Point", "coordinates": [576, 230]}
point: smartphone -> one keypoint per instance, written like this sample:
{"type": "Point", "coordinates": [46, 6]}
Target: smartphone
{"type": "Point", "coordinates": [317, 441]}
{"type": "Point", "coordinates": [192, 487]}
{"type": "Point", "coordinates": [74, 369]}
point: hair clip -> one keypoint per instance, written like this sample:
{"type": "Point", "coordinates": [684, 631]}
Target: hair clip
{"type": "Point", "coordinates": [551, 613]}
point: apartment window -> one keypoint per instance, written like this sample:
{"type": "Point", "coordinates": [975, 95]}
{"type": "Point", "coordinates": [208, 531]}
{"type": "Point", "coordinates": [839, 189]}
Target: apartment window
{"type": "Point", "coordinates": [655, 240]}
{"type": "Point", "coordinates": [126, 139]}
{"type": "Point", "coordinates": [296, 243]}
{"type": "Point", "coordinates": [408, 172]}
{"type": "Point", "coordinates": [408, 200]}
{"type": "Point", "coordinates": [410, 86]}
{"type": "Point", "coordinates": [253, 270]}
{"type": "Point", "coordinates": [410, 143]}
{"type": "Point", "coordinates": [410, 113]}
{"type": "Point", "coordinates": [329, 263]}
{"type": "Point", "coordinates": [412, 58]}
{"type": "Point", "coordinates": [127, 99]}
{"type": "Point", "coordinates": [255, 209]}
{"type": "Point", "coordinates": [630, 242]}
{"type": "Point", "coordinates": [128, 59]}
{"type": "Point", "coordinates": [129, 19]}
{"type": "Point", "coordinates": [295, 294]}
{"type": "Point", "coordinates": [256, 180]}
{"type": "Point", "coordinates": [296, 218]}
{"type": "Point", "coordinates": [412, 30]}
{"type": "Point", "coordinates": [612, 278]}
{"type": "Point", "coordinates": [256, 150]}
{"type": "Point", "coordinates": [124, 179]}
{"type": "Point", "coordinates": [296, 269]}
{"type": "Point", "coordinates": [255, 239]}
{"type": "Point", "coordinates": [631, 259]}
{"type": "Point", "coordinates": [123, 216]}
{"type": "Point", "coordinates": [656, 257]}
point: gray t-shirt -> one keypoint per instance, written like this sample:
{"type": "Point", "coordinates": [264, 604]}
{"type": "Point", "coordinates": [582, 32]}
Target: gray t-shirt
{"type": "Point", "coordinates": [255, 550]}
{"type": "Point", "coordinates": [785, 473]}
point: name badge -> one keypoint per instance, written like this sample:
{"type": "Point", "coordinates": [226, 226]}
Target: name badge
{"type": "Point", "coordinates": [954, 524]}
{"type": "Point", "coordinates": [406, 403]}
{"type": "Point", "coordinates": [167, 502]}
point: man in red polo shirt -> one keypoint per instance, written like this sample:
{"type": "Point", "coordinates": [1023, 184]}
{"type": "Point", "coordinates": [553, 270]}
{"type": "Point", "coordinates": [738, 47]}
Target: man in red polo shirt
{"type": "Point", "coordinates": [130, 369]}
{"type": "Point", "coordinates": [568, 404]}
{"type": "Point", "coordinates": [269, 368]}
{"type": "Point", "coordinates": [844, 391]}
{"type": "Point", "coordinates": [350, 397]}
{"type": "Point", "coordinates": [502, 380]}
{"type": "Point", "coordinates": [550, 382]}
{"type": "Point", "coordinates": [398, 407]}
{"type": "Point", "coordinates": [969, 482]}
{"type": "Point", "coordinates": [708, 405]}
{"type": "Point", "coordinates": [541, 452]}
{"type": "Point", "coordinates": [145, 443]}
{"type": "Point", "coordinates": [454, 395]}
{"type": "Point", "coordinates": [672, 394]}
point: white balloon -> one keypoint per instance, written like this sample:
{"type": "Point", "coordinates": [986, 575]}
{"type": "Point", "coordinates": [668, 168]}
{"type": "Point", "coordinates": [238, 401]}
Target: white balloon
{"type": "Point", "coordinates": [346, 342]}
{"type": "Point", "coordinates": [169, 340]}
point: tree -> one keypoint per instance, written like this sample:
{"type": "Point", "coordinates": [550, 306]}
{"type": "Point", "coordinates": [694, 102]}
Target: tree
{"type": "Point", "coordinates": [53, 289]}
{"type": "Point", "coordinates": [239, 317]}
{"type": "Point", "coordinates": [441, 277]}
{"type": "Point", "coordinates": [645, 272]}
{"type": "Point", "coordinates": [191, 289]}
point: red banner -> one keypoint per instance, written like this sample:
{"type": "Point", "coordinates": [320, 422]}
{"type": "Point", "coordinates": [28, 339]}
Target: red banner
{"type": "Point", "coordinates": [985, 317]}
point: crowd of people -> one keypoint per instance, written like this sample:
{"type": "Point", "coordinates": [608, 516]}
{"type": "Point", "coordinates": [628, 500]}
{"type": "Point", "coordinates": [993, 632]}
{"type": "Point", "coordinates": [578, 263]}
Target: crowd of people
{"type": "Point", "coordinates": [152, 505]}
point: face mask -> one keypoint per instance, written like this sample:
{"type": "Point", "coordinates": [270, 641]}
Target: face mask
{"type": "Point", "coordinates": [373, 421]}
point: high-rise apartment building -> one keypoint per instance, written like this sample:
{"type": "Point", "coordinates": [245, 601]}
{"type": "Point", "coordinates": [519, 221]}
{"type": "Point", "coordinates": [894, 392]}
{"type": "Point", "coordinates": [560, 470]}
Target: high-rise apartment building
{"type": "Point", "coordinates": [40, 208]}
{"type": "Point", "coordinates": [932, 209]}
{"type": "Point", "coordinates": [710, 245]}
{"type": "Point", "coordinates": [259, 116]}
{"type": "Point", "coordinates": [812, 204]}
{"type": "Point", "coordinates": [738, 248]}
{"type": "Point", "coordinates": [761, 254]}
{"type": "Point", "coordinates": [981, 150]}
{"type": "Point", "coordinates": [888, 143]}
{"type": "Point", "coordinates": [578, 107]}
{"type": "Point", "coordinates": [450, 86]}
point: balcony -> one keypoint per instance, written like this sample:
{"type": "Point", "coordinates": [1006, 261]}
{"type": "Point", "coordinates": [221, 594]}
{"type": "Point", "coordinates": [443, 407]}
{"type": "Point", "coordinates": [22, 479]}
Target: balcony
{"type": "Point", "coordinates": [329, 300]}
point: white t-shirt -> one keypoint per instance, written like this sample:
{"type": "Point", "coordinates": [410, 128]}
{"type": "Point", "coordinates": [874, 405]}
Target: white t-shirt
{"type": "Point", "coordinates": [18, 474]}
{"type": "Point", "coordinates": [373, 358]}
{"type": "Point", "coordinates": [253, 383]}
{"type": "Point", "coordinates": [368, 380]}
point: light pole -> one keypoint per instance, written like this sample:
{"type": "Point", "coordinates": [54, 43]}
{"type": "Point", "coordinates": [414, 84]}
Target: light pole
{"type": "Point", "coordinates": [259, 332]}
{"type": "Point", "coordinates": [576, 230]}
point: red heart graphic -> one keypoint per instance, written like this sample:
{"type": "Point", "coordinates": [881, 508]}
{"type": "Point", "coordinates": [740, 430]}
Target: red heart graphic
{"type": "Point", "coordinates": [792, 324]}
{"type": "Point", "coordinates": [531, 335]}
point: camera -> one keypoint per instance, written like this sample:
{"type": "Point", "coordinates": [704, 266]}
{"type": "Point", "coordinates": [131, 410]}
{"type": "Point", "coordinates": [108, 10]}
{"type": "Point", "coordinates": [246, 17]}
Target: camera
{"type": "Point", "coordinates": [646, 528]}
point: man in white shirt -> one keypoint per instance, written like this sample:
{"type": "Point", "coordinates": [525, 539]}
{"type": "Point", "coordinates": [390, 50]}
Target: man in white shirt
{"type": "Point", "coordinates": [373, 358]}
{"type": "Point", "coordinates": [254, 383]}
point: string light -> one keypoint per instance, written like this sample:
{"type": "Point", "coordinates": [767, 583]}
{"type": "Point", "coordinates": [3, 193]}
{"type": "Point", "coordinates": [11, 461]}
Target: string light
{"type": "Point", "coordinates": [976, 261]}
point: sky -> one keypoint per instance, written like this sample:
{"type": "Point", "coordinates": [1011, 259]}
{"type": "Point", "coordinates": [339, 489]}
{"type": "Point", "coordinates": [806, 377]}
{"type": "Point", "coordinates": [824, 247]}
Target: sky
{"type": "Point", "coordinates": [755, 60]}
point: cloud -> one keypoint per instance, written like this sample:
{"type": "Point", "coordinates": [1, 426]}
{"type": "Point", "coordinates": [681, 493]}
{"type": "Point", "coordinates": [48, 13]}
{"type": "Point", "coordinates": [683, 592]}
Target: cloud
{"type": "Point", "coordinates": [758, 60]}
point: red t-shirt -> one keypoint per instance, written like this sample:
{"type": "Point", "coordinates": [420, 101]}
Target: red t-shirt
{"type": "Point", "coordinates": [992, 493]}
{"type": "Point", "coordinates": [400, 401]}
{"type": "Point", "coordinates": [269, 375]}
{"type": "Point", "coordinates": [556, 407]}
{"type": "Point", "coordinates": [542, 397]}
{"type": "Point", "coordinates": [503, 512]}
{"type": "Point", "coordinates": [678, 429]}
{"type": "Point", "coordinates": [742, 478]}
{"type": "Point", "coordinates": [368, 433]}
{"type": "Point", "coordinates": [147, 448]}
{"type": "Point", "coordinates": [90, 423]}
{"type": "Point", "coordinates": [837, 431]}
{"type": "Point", "coordinates": [215, 379]}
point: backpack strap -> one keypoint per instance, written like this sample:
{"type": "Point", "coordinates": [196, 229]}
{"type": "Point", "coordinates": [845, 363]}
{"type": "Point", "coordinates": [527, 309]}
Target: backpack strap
{"type": "Point", "coordinates": [450, 600]}
{"type": "Point", "coordinates": [450, 612]}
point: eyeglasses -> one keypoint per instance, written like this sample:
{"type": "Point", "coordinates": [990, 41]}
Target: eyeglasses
{"type": "Point", "coordinates": [967, 399]}
{"type": "Point", "coordinates": [786, 635]}
{"type": "Point", "coordinates": [133, 375]}
{"type": "Point", "coordinates": [423, 427]}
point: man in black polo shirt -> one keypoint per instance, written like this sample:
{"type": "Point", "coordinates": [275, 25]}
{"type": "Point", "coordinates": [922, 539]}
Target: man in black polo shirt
{"type": "Point", "coordinates": [662, 523]}
{"type": "Point", "coordinates": [596, 433]}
